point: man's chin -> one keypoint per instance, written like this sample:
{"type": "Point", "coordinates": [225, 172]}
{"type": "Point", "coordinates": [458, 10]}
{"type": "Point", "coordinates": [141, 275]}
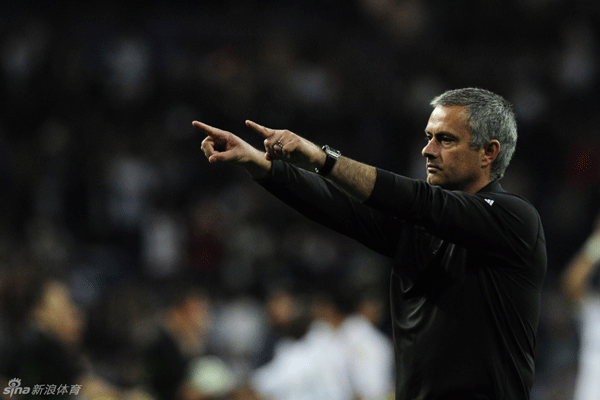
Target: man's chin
{"type": "Point", "coordinates": [436, 181]}
{"type": "Point", "coordinates": [433, 180]}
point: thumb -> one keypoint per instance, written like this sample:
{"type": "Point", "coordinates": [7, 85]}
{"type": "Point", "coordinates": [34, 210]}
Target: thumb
{"type": "Point", "coordinates": [221, 157]}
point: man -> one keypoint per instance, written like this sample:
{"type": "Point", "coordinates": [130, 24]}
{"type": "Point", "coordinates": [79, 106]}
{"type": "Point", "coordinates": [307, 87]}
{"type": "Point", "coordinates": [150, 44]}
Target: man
{"type": "Point", "coordinates": [470, 258]}
{"type": "Point", "coordinates": [342, 354]}
{"type": "Point", "coordinates": [181, 338]}
{"type": "Point", "coordinates": [579, 283]}
{"type": "Point", "coordinates": [46, 349]}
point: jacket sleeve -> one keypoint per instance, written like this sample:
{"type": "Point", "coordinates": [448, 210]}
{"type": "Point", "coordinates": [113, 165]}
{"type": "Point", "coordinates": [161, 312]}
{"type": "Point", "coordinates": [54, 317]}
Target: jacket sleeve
{"type": "Point", "coordinates": [324, 202]}
{"type": "Point", "coordinates": [490, 221]}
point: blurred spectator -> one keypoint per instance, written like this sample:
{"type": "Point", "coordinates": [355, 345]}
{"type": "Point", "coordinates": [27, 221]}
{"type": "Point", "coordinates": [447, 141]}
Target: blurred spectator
{"type": "Point", "coordinates": [163, 243]}
{"type": "Point", "coordinates": [371, 354]}
{"type": "Point", "coordinates": [581, 286]}
{"type": "Point", "coordinates": [288, 317]}
{"type": "Point", "coordinates": [341, 356]}
{"type": "Point", "coordinates": [184, 325]}
{"type": "Point", "coordinates": [47, 330]}
{"type": "Point", "coordinates": [238, 329]}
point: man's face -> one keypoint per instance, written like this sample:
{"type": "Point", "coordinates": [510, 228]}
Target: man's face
{"type": "Point", "coordinates": [451, 162]}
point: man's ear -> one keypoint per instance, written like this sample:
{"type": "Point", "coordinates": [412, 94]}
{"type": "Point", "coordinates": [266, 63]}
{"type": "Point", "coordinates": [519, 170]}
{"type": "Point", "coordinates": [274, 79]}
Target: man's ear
{"type": "Point", "coordinates": [490, 152]}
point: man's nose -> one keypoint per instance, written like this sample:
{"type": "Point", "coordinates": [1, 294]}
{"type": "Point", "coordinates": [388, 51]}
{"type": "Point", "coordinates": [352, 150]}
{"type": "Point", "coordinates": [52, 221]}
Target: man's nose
{"type": "Point", "coordinates": [430, 150]}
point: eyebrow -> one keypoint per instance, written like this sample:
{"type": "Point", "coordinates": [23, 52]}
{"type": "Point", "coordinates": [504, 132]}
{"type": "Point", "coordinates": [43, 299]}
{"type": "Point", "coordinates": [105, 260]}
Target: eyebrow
{"type": "Point", "coordinates": [443, 133]}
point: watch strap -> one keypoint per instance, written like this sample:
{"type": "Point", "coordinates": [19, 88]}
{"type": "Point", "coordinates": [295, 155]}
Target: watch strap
{"type": "Point", "coordinates": [331, 158]}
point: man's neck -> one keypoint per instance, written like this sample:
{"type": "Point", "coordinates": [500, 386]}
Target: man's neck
{"type": "Point", "coordinates": [479, 184]}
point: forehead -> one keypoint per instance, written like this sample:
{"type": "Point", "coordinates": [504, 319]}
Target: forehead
{"type": "Point", "coordinates": [452, 120]}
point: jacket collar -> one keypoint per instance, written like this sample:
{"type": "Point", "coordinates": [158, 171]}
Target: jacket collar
{"type": "Point", "coordinates": [493, 186]}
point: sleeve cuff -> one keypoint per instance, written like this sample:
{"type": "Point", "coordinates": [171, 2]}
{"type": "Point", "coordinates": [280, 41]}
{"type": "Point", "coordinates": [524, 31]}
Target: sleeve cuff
{"type": "Point", "coordinates": [276, 166]}
{"type": "Point", "coordinates": [384, 186]}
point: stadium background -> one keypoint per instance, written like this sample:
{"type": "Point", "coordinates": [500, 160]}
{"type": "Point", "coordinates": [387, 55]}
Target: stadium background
{"type": "Point", "coordinates": [103, 181]}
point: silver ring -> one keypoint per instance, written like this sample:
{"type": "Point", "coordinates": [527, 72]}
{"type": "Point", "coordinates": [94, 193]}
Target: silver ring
{"type": "Point", "coordinates": [280, 144]}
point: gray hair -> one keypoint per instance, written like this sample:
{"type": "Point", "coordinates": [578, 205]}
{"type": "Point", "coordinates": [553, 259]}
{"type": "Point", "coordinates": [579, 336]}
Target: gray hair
{"type": "Point", "coordinates": [490, 117]}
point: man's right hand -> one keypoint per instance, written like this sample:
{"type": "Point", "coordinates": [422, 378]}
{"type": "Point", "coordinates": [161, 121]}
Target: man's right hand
{"type": "Point", "coordinates": [281, 144]}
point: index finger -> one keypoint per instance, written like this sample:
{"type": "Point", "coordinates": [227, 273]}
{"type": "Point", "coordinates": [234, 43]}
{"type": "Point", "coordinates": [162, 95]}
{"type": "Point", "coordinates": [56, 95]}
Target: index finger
{"type": "Point", "coordinates": [264, 131]}
{"type": "Point", "coordinates": [211, 131]}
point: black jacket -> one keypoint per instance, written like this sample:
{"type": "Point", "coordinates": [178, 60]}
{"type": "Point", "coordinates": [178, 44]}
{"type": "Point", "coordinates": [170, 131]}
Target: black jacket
{"type": "Point", "coordinates": [466, 282]}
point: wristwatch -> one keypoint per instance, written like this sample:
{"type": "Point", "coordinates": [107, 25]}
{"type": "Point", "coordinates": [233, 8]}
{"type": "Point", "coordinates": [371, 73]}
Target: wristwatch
{"type": "Point", "coordinates": [332, 156]}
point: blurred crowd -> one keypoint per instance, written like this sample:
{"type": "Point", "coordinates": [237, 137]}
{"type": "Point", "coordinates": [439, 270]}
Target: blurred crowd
{"type": "Point", "coordinates": [131, 266]}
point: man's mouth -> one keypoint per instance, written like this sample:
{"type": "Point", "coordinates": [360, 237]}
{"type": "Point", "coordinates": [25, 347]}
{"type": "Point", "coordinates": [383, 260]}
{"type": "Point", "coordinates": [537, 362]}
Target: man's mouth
{"type": "Point", "coordinates": [432, 168]}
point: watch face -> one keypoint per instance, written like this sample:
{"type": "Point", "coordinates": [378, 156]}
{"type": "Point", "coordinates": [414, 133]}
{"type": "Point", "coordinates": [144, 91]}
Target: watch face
{"type": "Point", "coordinates": [332, 152]}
